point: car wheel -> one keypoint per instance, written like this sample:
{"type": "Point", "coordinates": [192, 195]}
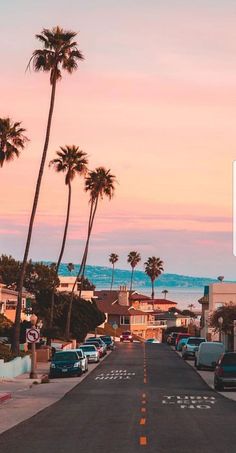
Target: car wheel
{"type": "Point", "coordinates": [218, 385]}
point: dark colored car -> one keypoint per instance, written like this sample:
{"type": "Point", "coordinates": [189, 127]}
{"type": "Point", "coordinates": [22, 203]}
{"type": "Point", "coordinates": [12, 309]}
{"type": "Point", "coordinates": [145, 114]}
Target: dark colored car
{"type": "Point", "coordinates": [65, 363]}
{"type": "Point", "coordinates": [126, 336]}
{"type": "Point", "coordinates": [108, 341]}
{"type": "Point", "coordinates": [225, 371]}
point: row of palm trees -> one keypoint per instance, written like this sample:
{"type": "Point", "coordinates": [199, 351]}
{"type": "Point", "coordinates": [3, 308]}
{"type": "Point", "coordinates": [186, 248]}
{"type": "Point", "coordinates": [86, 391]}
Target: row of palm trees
{"type": "Point", "coordinates": [59, 53]}
{"type": "Point", "coordinates": [153, 268]}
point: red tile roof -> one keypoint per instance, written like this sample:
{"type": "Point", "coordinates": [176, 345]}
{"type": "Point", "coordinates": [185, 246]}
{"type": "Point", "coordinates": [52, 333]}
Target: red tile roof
{"type": "Point", "coordinates": [161, 302]}
{"type": "Point", "coordinates": [116, 309]}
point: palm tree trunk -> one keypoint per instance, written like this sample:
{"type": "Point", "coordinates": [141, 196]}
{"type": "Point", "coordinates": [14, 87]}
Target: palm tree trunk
{"type": "Point", "coordinates": [152, 290]}
{"type": "Point", "coordinates": [16, 333]}
{"type": "Point", "coordinates": [62, 251]}
{"type": "Point", "coordinates": [112, 275]}
{"type": "Point", "coordinates": [131, 281]}
{"type": "Point", "coordinates": [92, 213]}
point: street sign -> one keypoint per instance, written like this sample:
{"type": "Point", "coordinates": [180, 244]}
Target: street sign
{"type": "Point", "coordinates": [115, 326]}
{"type": "Point", "coordinates": [32, 335]}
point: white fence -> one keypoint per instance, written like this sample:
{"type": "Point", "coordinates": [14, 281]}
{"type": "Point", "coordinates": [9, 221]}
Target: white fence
{"type": "Point", "coordinates": [15, 367]}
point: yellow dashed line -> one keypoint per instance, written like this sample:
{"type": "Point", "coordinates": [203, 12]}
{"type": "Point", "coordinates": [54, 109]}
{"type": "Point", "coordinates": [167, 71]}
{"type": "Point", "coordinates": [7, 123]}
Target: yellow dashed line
{"type": "Point", "coordinates": [143, 401]}
{"type": "Point", "coordinates": [144, 395]}
{"type": "Point", "coordinates": [143, 409]}
{"type": "Point", "coordinates": [142, 421]}
{"type": "Point", "coordinates": [143, 440]}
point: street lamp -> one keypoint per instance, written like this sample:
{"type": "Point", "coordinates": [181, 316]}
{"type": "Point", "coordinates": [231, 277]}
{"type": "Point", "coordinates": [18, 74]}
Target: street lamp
{"type": "Point", "coordinates": [33, 374]}
{"type": "Point", "coordinates": [220, 323]}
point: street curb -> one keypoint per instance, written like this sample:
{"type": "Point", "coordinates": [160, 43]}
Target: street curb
{"type": "Point", "coordinates": [5, 396]}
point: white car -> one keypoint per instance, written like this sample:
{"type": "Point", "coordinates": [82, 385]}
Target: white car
{"type": "Point", "coordinates": [90, 352]}
{"type": "Point", "coordinates": [83, 359]}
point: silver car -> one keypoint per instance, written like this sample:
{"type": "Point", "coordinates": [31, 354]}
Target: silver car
{"type": "Point", "coordinates": [91, 352]}
{"type": "Point", "coordinates": [83, 359]}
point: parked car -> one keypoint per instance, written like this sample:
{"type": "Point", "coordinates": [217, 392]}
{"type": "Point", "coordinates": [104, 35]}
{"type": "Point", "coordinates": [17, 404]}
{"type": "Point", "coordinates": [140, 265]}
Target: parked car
{"type": "Point", "coordinates": [181, 343]}
{"type": "Point", "coordinates": [171, 338]}
{"type": "Point", "coordinates": [180, 336]}
{"type": "Point", "coordinates": [108, 341]}
{"type": "Point", "coordinates": [83, 359]}
{"type": "Point", "coordinates": [98, 340]}
{"type": "Point", "coordinates": [91, 352]}
{"type": "Point", "coordinates": [152, 340]}
{"type": "Point", "coordinates": [191, 346]}
{"type": "Point", "coordinates": [126, 336]}
{"type": "Point", "coordinates": [208, 354]}
{"type": "Point", "coordinates": [225, 371]}
{"type": "Point", "coordinates": [65, 363]}
{"type": "Point", "coordinates": [100, 348]}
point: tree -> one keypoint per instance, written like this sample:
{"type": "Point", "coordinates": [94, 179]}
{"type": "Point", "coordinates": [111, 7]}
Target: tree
{"type": "Point", "coordinates": [133, 259]}
{"type": "Point", "coordinates": [153, 268]}
{"type": "Point", "coordinates": [72, 161]}
{"type": "Point", "coordinates": [99, 183]}
{"type": "Point", "coordinates": [165, 292]}
{"type": "Point", "coordinates": [9, 270]}
{"type": "Point", "coordinates": [113, 258]}
{"type": "Point", "coordinates": [60, 52]}
{"type": "Point", "coordinates": [12, 140]}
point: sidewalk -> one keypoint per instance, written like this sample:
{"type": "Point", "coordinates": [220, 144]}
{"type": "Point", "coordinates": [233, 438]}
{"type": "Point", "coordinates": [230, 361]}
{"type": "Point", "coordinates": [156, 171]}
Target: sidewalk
{"type": "Point", "coordinates": [27, 398]}
{"type": "Point", "coordinates": [208, 378]}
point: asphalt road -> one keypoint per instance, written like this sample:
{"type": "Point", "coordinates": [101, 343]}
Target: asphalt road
{"type": "Point", "coordinates": [141, 398]}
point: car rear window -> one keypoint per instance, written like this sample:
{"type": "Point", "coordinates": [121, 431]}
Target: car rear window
{"type": "Point", "coordinates": [106, 339]}
{"type": "Point", "coordinates": [196, 341]}
{"type": "Point", "coordinates": [88, 348]}
{"type": "Point", "coordinates": [80, 353]}
{"type": "Point", "coordinates": [65, 356]}
{"type": "Point", "coordinates": [229, 359]}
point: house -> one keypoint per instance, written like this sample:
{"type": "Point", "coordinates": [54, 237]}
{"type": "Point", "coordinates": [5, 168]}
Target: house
{"type": "Point", "coordinates": [131, 311]}
{"type": "Point", "coordinates": [8, 302]}
{"type": "Point", "coordinates": [67, 284]}
{"type": "Point", "coordinates": [215, 295]}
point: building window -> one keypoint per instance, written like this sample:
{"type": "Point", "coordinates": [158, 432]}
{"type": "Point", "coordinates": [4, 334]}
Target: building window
{"type": "Point", "coordinates": [138, 319]}
{"type": "Point", "coordinates": [64, 285]}
{"type": "Point", "coordinates": [124, 320]}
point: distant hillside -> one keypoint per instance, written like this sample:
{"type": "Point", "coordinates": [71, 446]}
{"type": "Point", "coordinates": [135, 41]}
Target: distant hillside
{"type": "Point", "coordinates": [101, 277]}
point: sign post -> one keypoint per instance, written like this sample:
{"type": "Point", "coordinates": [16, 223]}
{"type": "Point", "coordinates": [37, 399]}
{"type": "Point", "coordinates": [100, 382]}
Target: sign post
{"type": "Point", "coordinates": [33, 337]}
{"type": "Point", "coordinates": [115, 326]}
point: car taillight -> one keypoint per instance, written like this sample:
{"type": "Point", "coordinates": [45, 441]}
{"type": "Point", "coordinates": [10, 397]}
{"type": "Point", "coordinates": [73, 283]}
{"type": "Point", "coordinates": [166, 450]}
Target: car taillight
{"type": "Point", "coordinates": [219, 371]}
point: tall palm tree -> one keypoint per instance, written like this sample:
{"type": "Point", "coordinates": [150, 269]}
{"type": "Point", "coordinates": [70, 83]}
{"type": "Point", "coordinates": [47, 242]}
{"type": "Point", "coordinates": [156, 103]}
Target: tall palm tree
{"type": "Point", "coordinates": [113, 258]}
{"type": "Point", "coordinates": [133, 259]}
{"type": "Point", "coordinates": [60, 52]}
{"type": "Point", "coordinates": [72, 161]}
{"type": "Point", "coordinates": [99, 183]}
{"type": "Point", "coordinates": [12, 140]}
{"type": "Point", "coordinates": [153, 268]}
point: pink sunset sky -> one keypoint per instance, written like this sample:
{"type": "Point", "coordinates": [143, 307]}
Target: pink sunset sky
{"type": "Point", "coordinates": [154, 101]}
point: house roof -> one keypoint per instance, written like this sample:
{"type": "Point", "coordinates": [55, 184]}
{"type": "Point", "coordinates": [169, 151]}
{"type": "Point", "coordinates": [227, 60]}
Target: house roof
{"type": "Point", "coordinates": [168, 315]}
{"type": "Point", "coordinates": [115, 309]}
{"type": "Point", "coordinates": [137, 296]}
{"type": "Point", "coordinates": [162, 302]}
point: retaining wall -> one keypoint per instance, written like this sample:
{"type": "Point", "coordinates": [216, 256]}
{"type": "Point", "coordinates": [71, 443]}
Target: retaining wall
{"type": "Point", "coordinates": [15, 367]}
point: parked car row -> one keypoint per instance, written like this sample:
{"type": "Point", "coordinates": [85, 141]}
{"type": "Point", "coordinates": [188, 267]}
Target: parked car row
{"type": "Point", "coordinates": [208, 355]}
{"type": "Point", "coordinates": [74, 362]}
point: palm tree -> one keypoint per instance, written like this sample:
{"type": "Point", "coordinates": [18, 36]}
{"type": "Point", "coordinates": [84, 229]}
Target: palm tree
{"type": "Point", "coordinates": [72, 161]}
{"type": "Point", "coordinates": [12, 140]}
{"type": "Point", "coordinates": [153, 268]}
{"type": "Point", "coordinates": [113, 258]}
{"type": "Point", "coordinates": [133, 259]}
{"type": "Point", "coordinates": [59, 52]}
{"type": "Point", "coordinates": [165, 292]}
{"type": "Point", "coordinates": [99, 183]}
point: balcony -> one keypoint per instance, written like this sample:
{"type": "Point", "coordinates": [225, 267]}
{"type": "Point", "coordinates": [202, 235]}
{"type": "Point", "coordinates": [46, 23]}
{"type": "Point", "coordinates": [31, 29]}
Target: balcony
{"type": "Point", "coordinates": [153, 323]}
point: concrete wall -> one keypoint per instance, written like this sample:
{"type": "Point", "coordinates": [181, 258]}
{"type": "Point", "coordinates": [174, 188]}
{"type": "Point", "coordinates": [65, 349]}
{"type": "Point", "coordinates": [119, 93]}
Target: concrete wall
{"type": "Point", "coordinates": [15, 367]}
{"type": "Point", "coordinates": [221, 293]}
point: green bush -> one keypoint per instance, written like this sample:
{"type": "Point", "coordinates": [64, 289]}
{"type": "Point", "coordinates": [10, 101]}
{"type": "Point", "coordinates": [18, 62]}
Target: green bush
{"type": "Point", "coordinates": [7, 355]}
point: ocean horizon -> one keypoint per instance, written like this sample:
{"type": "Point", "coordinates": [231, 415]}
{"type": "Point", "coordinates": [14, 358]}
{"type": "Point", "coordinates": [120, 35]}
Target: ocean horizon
{"type": "Point", "coordinates": [183, 289]}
